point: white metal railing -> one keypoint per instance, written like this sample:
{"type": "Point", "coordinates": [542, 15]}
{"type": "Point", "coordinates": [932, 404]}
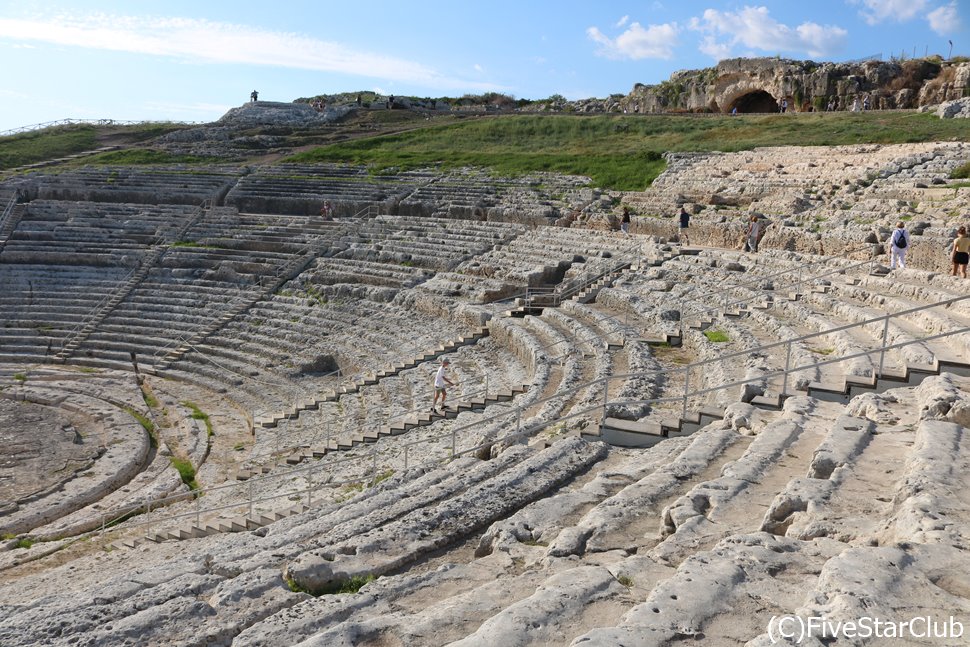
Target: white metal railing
{"type": "Point", "coordinates": [515, 415]}
{"type": "Point", "coordinates": [7, 210]}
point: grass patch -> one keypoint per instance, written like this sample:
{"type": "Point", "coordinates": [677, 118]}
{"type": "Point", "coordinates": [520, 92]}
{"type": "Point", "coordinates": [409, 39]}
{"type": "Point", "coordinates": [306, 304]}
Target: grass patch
{"type": "Point", "coordinates": [961, 172]}
{"type": "Point", "coordinates": [49, 143]}
{"type": "Point", "coordinates": [625, 580]}
{"type": "Point", "coordinates": [149, 399]}
{"type": "Point", "coordinates": [822, 351]}
{"type": "Point", "coordinates": [383, 476]}
{"type": "Point", "coordinates": [25, 543]}
{"type": "Point", "coordinates": [198, 414]}
{"type": "Point", "coordinates": [716, 336]}
{"type": "Point", "coordinates": [533, 542]}
{"type": "Point", "coordinates": [186, 471]}
{"type": "Point", "coordinates": [144, 156]}
{"type": "Point", "coordinates": [352, 585]}
{"type": "Point", "coordinates": [148, 425]}
{"type": "Point", "coordinates": [142, 419]}
{"type": "Point", "coordinates": [20, 377]}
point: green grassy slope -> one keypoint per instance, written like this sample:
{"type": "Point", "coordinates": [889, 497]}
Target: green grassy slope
{"type": "Point", "coordinates": [622, 152]}
{"type": "Point", "coordinates": [617, 151]}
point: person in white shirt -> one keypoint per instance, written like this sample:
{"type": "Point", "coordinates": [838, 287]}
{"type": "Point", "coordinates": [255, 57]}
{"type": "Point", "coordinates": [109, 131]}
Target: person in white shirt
{"type": "Point", "coordinates": [898, 244]}
{"type": "Point", "coordinates": [440, 379]}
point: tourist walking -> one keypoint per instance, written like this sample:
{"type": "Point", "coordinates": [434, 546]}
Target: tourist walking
{"type": "Point", "coordinates": [898, 244]}
{"type": "Point", "coordinates": [961, 253]}
{"type": "Point", "coordinates": [756, 231]}
{"type": "Point", "coordinates": [440, 379]}
{"type": "Point", "coordinates": [625, 221]}
{"type": "Point", "coordinates": [684, 224]}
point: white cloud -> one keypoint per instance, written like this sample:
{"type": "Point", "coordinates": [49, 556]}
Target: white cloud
{"type": "Point", "coordinates": [877, 11]}
{"type": "Point", "coordinates": [754, 28]}
{"type": "Point", "coordinates": [218, 42]}
{"type": "Point", "coordinates": [478, 68]}
{"type": "Point", "coordinates": [637, 42]}
{"type": "Point", "coordinates": [945, 20]}
{"type": "Point", "coordinates": [622, 21]}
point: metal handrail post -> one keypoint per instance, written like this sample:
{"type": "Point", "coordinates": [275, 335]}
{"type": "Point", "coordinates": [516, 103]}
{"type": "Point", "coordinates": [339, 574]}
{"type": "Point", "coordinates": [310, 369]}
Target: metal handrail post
{"type": "Point", "coordinates": [882, 353]}
{"type": "Point", "coordinates": [686, 390]}
{"type": "Point", "coordinates": [606, 398]}
{"type": "Point", "coordinates": [373, 478]}
{"type": "Point", "coordinates": [784, 384]}
{"type": "Point", "coordinates": [309, 488]}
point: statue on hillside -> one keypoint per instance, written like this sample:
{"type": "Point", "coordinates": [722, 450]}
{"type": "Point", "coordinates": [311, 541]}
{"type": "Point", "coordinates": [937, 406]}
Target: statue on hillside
{"type": "Point", "coordinates": [254, 95]}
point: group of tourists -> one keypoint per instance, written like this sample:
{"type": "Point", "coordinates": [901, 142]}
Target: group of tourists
{"type": "Point", "coordinates": [959, 253]}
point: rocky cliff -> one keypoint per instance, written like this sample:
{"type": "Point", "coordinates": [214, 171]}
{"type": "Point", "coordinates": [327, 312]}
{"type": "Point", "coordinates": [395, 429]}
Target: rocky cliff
{"type": "Point", "coordinates": [763, 84]}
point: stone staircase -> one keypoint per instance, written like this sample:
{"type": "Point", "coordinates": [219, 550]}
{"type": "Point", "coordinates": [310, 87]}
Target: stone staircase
{"type": "Point", "coordinates": [287, 272]}
{"type": "Point", "coordinates": [10, 223]}
{"type": "Point", "coordinates": [93, 320]}
{"type": "Point", "coordinates": [646, 433]}
{"type": "Point", "coordinates": [396, 428]}
{"type": "Point", "coordinates": [198, 528]}
{"type": "Point", "coordinates": [312, 404]}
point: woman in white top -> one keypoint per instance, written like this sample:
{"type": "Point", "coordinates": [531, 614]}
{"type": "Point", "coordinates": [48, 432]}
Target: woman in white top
{"type": "Point", "coordinates": [898, 244]}
{"type": "Point", "coordinates": [440, 379]}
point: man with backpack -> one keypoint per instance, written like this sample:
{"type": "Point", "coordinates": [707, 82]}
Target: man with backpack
{"type": "Point", "coordinates": [898, 244]}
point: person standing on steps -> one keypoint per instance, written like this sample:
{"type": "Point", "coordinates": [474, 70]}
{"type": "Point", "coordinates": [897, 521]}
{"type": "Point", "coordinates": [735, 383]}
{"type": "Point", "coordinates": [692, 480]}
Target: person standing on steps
{"type": "Point", "coordinates": [898, 244]}
{"type": "Point", "coordinates": [254, 95]}
{"type": "Point", "coordinates": [684, 224]}
{"type": "Point", "coordinates": [625, 221]}
{"type": "Point", "coordinates": [961, 252]}
{"type": "Point", "coordinates": [440, 379]}
{"type": "Point", "coordinates": [756, 231]}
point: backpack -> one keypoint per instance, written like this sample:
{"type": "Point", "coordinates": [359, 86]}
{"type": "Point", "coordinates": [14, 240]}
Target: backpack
{"type": "Point", "coordinates": [899, 240]}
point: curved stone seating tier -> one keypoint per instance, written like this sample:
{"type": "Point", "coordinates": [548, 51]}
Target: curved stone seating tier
{"type": "Point", "coordinates": [469, 194]}
{"type": "Point", "coordinates": [331, 271]}
{"type": "Point", "coordinates": [302, 189]}
{"type": "Point", "coordinates": [148, 185]}
{"type": "Point", "coordinates": [543, 254]}
{"type": "Point", "coordinates": [432, 243]}
{"type": "Point", "coordinates": [225, 227]}
{"type": "Point", "coordinates": [693, 530]}
{"type": "Point", "coordinates": [91, 233]}
{"type": "Point", "coordinates": [796, 320]}
{"type": "Point", "coordinates": [120, 448]}
{"type": "Point", "coordinates": [41, 305]}
{"type": "Point", "coordinates": [280, 340]}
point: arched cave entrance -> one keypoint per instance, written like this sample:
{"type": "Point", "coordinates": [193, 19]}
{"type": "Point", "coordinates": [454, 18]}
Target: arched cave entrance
{"type": "Point", "coordinates": [757, 101]}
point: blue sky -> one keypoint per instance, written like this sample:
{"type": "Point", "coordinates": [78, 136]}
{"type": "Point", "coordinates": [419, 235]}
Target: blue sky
{"type": "Point", "coordinates": [193, 60]}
